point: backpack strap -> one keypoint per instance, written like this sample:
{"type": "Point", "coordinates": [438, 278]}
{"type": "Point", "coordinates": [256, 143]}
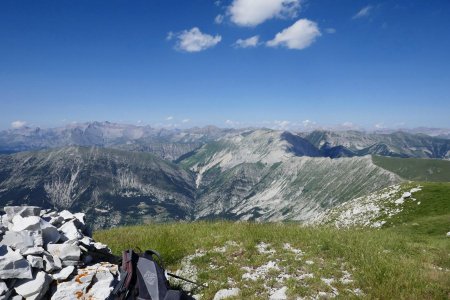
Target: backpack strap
{"type": "Point", "coordinates": [122, 289]}
{"type": "Point", "coordinates": [151, 252]}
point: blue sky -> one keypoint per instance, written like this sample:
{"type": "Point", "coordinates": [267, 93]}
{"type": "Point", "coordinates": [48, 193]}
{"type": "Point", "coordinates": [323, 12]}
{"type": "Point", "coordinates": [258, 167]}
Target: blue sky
{"type": "Point", "coordinates": [179, 63]}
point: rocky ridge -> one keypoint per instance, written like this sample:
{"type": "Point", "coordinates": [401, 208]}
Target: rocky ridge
{"type": "Point", "coordinates": [46, 254]}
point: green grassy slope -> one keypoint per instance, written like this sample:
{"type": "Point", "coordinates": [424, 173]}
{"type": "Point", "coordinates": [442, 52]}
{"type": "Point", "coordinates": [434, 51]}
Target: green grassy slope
{"type": "Point", "coordinates": [416, 169]}
{"type": "Point", "coordinates": [431, 217]}
{"type": "Point", "coordinates": [409, 259]}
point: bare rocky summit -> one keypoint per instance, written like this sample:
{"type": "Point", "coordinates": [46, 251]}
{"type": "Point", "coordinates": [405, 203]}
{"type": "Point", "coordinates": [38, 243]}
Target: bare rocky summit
{"type": "Point", "coordinates": [46, 254]}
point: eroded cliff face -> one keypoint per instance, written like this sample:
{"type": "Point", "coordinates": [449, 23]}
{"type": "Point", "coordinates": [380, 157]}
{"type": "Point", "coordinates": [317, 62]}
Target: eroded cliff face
{"type": "Point", "coordinates": [268, 175]}
{"type": "Point", "coordinates": [111, 186]}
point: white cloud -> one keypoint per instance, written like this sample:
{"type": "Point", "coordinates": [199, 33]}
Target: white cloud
{"type": "Point", "coordinates": [185, 120]}
{"type": "Point", "coordinates": [330, 30]}
{"type": "Point", "coordinates": [194, 40]}
{"type": "Point", "coordinates": [309, 124]}
{"type": "Point", "coordinates": [347, 126]}
{"type": "Point", "coordinates": [18, 124]}
{"type": "Point", "coordinates": [282, 124]}
{"type": "Point", "coordinates": [232, 123]}
{"type": "Point", "coordinates": [219, 19]}
{"type": "Point", "coordinates": [300, 35]}
{"type": "Point", "coordinates": [170, 35]}
{"type": "Point", "coordinates": [254, 12]}
{"type": "Point", "coordinates": [380, 126]}
{"type": "Point", "coordinates": [364, 12]}
{"type": "Point", "coordinates": [169, 118]}
{"type": "Point", "coordinates": [247, 43]}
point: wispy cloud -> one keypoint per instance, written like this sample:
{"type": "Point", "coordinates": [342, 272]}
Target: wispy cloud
{"type": "Point", "coordinates": [247, 43]}
{"type": "Point", "coordinates": [363, 12]}
{"type": "Point", "coordinates": [330, 30]}
{"type": "Point", "coordinates": [219, 19]}
{"type": "Point", "coordinates": [379, 125]}
{"type": "Point", "coordinates": [185, 120]}
{"type": "Point", "coordinates": [298, 36]}
{"type": "Point", "coordinates": [193, 40]}
{"type": "Point", "coordinates": [169, 118]}
{"type": "Point", "coordinates": [254, 12]}
{"type": "Point", "coordinates": [18, 124]}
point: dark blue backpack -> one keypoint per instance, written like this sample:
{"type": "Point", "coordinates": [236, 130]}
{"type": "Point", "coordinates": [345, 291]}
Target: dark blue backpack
{"type": "Point", "coordinates": [144, 278]}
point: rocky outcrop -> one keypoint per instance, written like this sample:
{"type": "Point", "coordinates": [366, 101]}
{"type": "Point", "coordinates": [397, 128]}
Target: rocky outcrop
{"type": "Point", "coordinates": [50, 255]}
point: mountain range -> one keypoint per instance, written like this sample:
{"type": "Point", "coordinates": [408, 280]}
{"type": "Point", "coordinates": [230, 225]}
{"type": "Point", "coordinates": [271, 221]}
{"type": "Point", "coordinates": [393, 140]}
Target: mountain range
{"type": "Point", "coordinates": [123, 174]}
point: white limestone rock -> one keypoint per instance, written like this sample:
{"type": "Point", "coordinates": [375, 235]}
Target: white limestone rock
{"type": "Point", "coordinates": [81, 217]}
{"type": "Point", "coordinates": [20, 223]}
{"type": "Point", "coordinates": [65, 251]}
{"type": "Point", "coordinates": [50, 233]}
{"type": "Point", "coordinates": [12, 264]}
{"type": "Point", "coordinates": [104, 284]}
{"type": "Point", "coordinates": [33, 251]}
{"type": "Point", "coordinates": [67, 215]}
{"type": "Point", "coordinates": [227, 293]}
{"type": "Point", "coordinates": [3, 288]}
{"type": "Point", "coordinates": [22, 240]}
{"type": "Point", "coordinates": [36, 261]}
{"type": "Point", "coordinates": [52, 263]}
{"type": "Point", "coordinates": [70, 231]}
{"type": "Point", "coordinates": [279, 294]}
{"type": "Point", "coordinates": [34, 288]}
{"type": "Point", "coordinates": [92, 282]}
{"type": "Point", "coordinates": [406, 195]}
{"type": "Point", "coordinates": [64, 273]}
{"type": "Point", "coordinates": [23, 211]}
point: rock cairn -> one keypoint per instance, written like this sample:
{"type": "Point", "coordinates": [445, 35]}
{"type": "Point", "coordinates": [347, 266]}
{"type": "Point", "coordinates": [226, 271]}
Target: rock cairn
{"type": "Point", "coordinates": [50, 255]}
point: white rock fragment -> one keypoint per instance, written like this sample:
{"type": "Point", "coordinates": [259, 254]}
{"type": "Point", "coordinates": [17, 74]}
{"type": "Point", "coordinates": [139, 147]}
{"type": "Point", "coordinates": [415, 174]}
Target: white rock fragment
{"type": "Point", "coordinates": [34, 288]}
{"type": "Point", "coordinates": [399, 201]}
{"type": "Point", "coordinates": [35, 261]}
{"type": "Point", "coordinates": [92, 282]}
{"type": "Point", "coordinates": [50, 233]}
{"type": "Point", "coordinates": [406, 195]}
{"type": "Point", "coordinates": [3, 288]}
{"type": "Point", "coordinates": [227, 293]}
{"type": "Point", "coordinates": [65, 251]}
{"type": "Point", "coordinates": [33, 251]}
{"type": "Point", "coordinates": [306, 276]}
{"type": "Point", "coordinates": [52, 263]}
{"type": "Point", "coordinates": [103, 285]}
{"type": "Point", "coordinates": [309, 262]}
{"type": "Point", "coordinates": [23, 211]}
{"type": "Point", "coordinates": [13, 265]}
{"type": "Point", "coordinates": [70, 231]}
{"type": "Point", "coordinates": [378, 224]}
{"type": "Point", "coordinates": [66, 215]}
{"type": "Point", "coordinates": [448, 234]}
{"type": "Point", "coordinates": [279, 294]}
{"type": "Point", "coordinates": [20, 223]}
{"type": "Point", "coordinates": [263, 248]}
{"type": "Point", "coordinates": [260, 272]}
{"type": "Point", "coordinates": [288, 247]}
{"type": "Point", "coordinates": [80, 217]}
{"type": "Point", "coordinates": [22, 240]}
{"type": "Point", "coordinates": [63, 274]}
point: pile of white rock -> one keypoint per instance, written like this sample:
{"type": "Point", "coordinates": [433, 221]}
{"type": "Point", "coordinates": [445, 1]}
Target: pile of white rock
{"type": "Point", "coordinates": [50, 255]}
